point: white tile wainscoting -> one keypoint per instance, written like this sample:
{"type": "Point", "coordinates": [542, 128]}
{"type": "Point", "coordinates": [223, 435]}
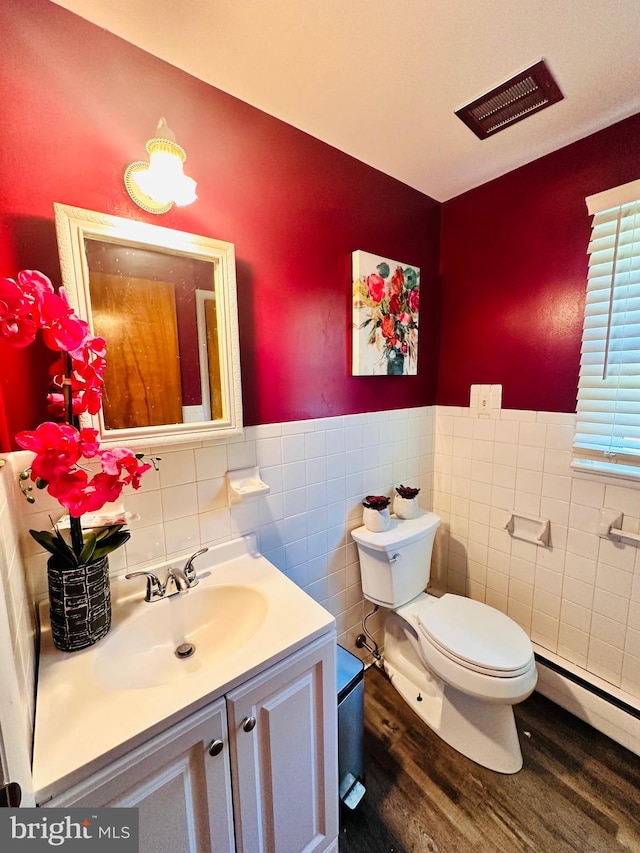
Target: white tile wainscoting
{"type": "Point", "coordinates": [318, 472]}
{"type": "Point", "coordinates": [578, 598]}
{"type": "Point", "coordinates": [20, 614]}
{"type": "Point", "coordinates": [591, 699]}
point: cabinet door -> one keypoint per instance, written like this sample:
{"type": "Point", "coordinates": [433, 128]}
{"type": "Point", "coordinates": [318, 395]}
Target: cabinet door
{"type": "Point", "coordinates": [181, 791]}
{"type": "Point", "coordinates": [284, 765]}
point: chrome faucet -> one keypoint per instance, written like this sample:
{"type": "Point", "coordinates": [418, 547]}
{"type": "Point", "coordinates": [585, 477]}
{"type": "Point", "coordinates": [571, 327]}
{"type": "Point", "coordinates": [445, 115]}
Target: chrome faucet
{"type": "Point", "coordinates": [181, 580]}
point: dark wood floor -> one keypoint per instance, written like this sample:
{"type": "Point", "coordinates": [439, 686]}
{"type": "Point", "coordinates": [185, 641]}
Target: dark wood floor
{"type": "Point", "coordinates": [578, 790]}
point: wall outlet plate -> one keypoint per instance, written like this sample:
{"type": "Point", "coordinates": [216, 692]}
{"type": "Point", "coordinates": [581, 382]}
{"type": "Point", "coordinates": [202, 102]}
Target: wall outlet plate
{"type": "Point", "coordinates": [485, 400]}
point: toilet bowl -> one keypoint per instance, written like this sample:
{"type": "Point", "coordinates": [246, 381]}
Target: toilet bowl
{"type": "Point", "coordinates": [460, 664]}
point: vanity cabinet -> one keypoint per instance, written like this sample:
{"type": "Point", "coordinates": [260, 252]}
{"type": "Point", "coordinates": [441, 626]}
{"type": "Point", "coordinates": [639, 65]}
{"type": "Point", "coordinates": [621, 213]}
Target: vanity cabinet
{"type": "Point", "coordinates": [253, 771]}
{"type": "Point", "coordinates": [283, 750]}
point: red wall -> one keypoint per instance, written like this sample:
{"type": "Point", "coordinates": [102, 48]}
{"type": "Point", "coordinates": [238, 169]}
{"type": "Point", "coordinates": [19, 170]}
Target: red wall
{"type": "Point", "coordinates": [514, 264]}
{"type": "Point", "coordinates": [78, 105]}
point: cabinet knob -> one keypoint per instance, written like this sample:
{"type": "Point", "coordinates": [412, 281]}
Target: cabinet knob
{"type": "Point", "coordinates": [249, 724]}
{"type": "Point", "coordinates": [216, 747]}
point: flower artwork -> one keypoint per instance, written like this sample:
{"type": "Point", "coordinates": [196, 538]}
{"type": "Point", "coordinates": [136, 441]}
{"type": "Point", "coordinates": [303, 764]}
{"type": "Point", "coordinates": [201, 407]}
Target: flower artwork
{"type": "Point", "coordinates": [27, 306]}
{"type": "Point", "coordinates": [386, 302]}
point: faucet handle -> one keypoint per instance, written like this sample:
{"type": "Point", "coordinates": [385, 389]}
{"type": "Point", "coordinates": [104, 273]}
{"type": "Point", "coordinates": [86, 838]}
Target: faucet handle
{"type": "Point", "coordinates": [155, 589]}
{"type": "Point", "coordinates": [188, 571]}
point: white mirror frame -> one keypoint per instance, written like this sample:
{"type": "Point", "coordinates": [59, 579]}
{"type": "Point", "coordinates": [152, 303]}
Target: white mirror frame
{"type": "Point", "coordinates": [73, 225]}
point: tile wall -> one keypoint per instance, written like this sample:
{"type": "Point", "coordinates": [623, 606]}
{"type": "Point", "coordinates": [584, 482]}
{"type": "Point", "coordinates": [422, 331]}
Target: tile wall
{"type": "Point", "coordinates": [579, 597]}
{"type": "Point", "coordinates": [318, 471]}
{"type": "Point", "coordinates": [20, 613]}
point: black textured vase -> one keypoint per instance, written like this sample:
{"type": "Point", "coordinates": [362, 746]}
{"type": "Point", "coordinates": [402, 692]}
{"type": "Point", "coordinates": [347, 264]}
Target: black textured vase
{"type": "Point", "coordinates": [79, 604]}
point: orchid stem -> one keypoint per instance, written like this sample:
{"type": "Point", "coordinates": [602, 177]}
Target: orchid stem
{"type": "Point", "coordinates": [67, 391]}
{"type": "Point", "coordinates": [77, 539]}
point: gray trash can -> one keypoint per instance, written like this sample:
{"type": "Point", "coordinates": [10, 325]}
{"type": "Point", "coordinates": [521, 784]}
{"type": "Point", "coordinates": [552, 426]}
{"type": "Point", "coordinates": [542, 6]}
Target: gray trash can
{"type": "Point", "coordinates": [350, 672]}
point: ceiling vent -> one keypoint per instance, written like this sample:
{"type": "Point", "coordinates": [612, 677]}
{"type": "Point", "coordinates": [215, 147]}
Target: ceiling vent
{"type": "Point", "coordinates": [526, 93]}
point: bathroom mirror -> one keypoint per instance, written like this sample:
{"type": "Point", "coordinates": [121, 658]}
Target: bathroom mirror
{"type": "Point", "coordinates": [165, 302]}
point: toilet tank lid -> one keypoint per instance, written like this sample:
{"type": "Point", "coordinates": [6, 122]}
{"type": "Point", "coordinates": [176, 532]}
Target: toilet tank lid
{"type": "Point", "coordinates": [400, 532]}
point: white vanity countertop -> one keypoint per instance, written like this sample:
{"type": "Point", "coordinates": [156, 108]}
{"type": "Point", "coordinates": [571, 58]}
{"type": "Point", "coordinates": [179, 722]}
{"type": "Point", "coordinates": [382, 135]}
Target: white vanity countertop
{"type": "Point", "coordinates": [85, 719]}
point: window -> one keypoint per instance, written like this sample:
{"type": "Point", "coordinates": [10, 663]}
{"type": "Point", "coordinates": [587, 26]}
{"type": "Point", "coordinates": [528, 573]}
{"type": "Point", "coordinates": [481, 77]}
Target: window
{"type": "Point", "coordinates": [607, 435]}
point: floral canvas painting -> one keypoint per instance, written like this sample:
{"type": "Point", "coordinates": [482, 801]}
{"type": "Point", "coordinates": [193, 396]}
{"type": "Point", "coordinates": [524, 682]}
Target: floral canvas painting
{"type": "Point", "coordinates": [386, 302]}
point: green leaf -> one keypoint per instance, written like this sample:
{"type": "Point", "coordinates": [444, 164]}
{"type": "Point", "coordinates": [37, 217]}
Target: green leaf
{"type": "Point", "coordinates": [87, 552]}
{"type": "Point", "coordinates": [62, 541]}
{"type": "Point", "coordinates": [55, 545]}
{"type": "Point", "coordinates": [103, 532]}
{"type": "Point", "coordinates": [383, 269]}
{"type": "Point", "coordinates": [106, 546]}
{"type": "Point", "coordinates": [45, 539]}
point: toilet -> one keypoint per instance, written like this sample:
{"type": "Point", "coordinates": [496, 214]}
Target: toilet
{"type": "Point", "coordinates": [460, 664]}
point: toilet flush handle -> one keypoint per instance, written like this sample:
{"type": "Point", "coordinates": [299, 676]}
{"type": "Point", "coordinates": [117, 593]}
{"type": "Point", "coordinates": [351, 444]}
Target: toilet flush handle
{"type": "Point", "coordinates": [394, 559]}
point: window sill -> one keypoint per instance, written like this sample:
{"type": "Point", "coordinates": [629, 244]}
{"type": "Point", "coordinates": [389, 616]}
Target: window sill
{"type": "Point", "coordinates": [614, 470]}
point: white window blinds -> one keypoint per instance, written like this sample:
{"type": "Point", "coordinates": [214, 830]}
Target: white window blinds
{"type": "Point", "coordinates": [608, 409]}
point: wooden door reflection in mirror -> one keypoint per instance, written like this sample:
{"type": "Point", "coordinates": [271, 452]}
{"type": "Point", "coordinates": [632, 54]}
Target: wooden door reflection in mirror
{"type": "Point", "coordinates": [154, 370]}
{"type": "Point", "coordinates": [142, 379]}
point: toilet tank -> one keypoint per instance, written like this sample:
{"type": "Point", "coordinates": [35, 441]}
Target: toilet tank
{"type": "Point", "coordinates": [395, 564]}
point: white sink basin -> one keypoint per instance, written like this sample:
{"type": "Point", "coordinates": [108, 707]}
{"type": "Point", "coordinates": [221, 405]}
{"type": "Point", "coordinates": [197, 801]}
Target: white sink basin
{"type": "Point", "coordinates": [213, 621]}
{"type": "Point", "coordinates": [97, 704]}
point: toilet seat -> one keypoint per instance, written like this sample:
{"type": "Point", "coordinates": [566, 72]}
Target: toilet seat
{"type": "Point", "coordinates": [474, 636]}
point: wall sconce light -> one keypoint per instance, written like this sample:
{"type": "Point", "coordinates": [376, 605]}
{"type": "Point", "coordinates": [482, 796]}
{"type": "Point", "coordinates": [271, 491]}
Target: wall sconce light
{"type": "Point", "coordinates": [159, 184]}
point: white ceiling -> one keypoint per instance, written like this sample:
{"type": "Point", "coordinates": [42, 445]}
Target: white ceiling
{"type": "Point", "coordinates": [381, 79]}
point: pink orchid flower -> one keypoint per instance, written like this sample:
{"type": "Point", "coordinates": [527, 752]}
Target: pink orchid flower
{"type": "Point", "coordinates": [87, 378]}
{"type": "Point", "coordinates": [123, 463]}
{"type": "Point", "coordinates": [15, 323]}
{"type": "Point", "coordinates": [57, 405]}
{"type": "Point", "coordinates": [102, 489]}
{"type": "Point", "coordinates": [91, 348]}
{"type": "Point", "coordinates": [32, 304]}
{"type": "Point", "coordinates": [70, 490]}
{"type": "Point", "coordinates": [89, 370]}
{"type": "Point", "coordinates": [88, 364]}
{"type": "Point", "coordinates": [34, 286]}
{"type": "Point", "coordinates": [90, 400]}
{"type": "Point", "coordinates": [78, 494]}
{"type": "Point", "coordinates": [61, 329]}
{"type": "Point", "coordinates": [57, 448]}
{"type": "Point", "coordinates": [89, 444]}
